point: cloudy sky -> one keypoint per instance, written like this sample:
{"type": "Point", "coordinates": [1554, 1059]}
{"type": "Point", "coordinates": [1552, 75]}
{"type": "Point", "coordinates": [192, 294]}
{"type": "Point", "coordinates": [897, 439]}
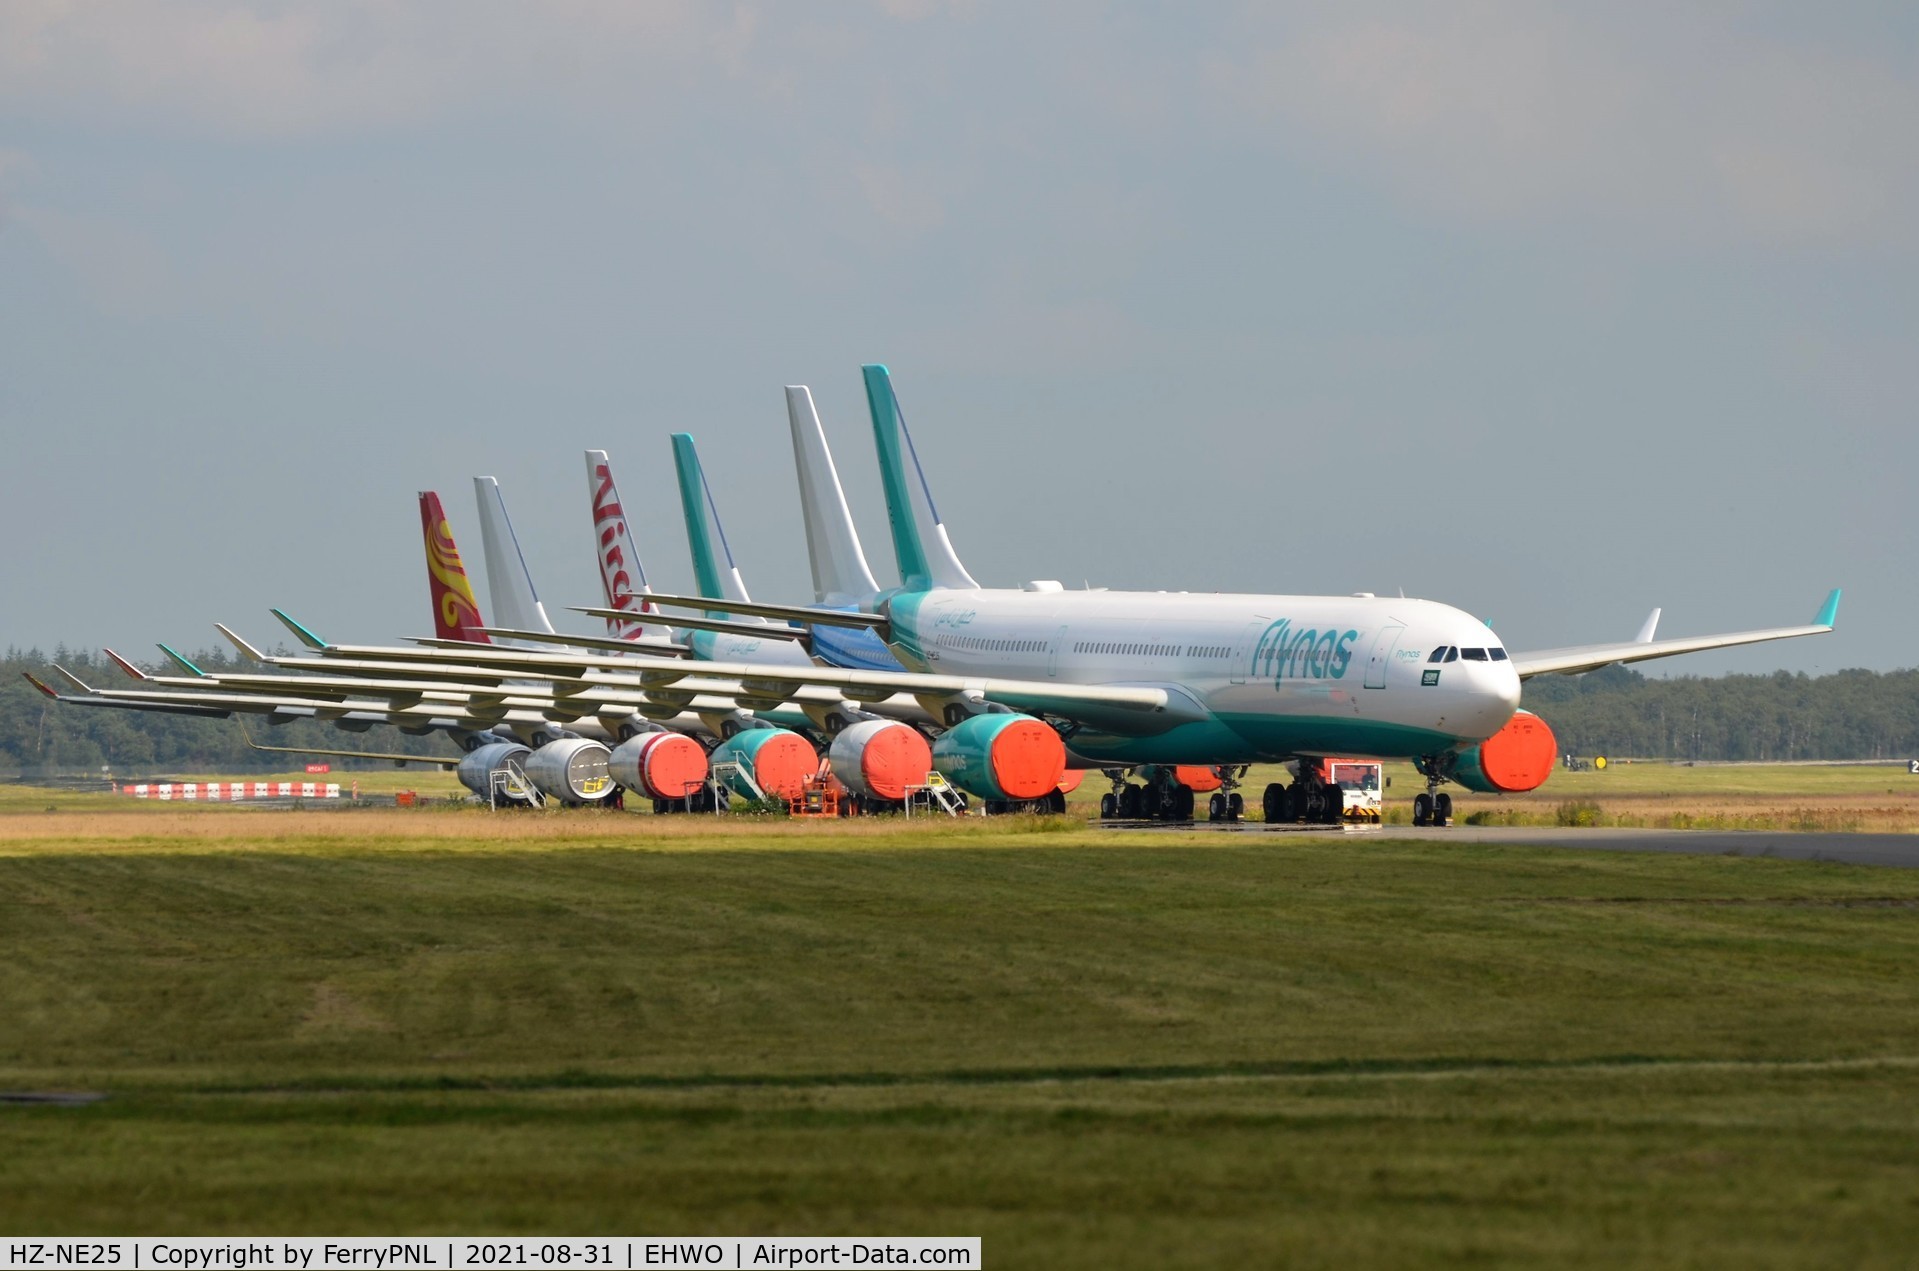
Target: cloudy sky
{"type": "Point", "coordinates": [1553, 312]}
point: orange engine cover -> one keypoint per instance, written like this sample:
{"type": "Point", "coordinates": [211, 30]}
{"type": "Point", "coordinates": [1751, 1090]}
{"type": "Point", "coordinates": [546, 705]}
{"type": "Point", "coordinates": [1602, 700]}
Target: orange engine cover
{"type": "Point", "coordinates": [1518, 757]}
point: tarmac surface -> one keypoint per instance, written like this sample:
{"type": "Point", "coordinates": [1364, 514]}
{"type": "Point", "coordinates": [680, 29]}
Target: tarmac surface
{"type": "Point", "coordinates": [1901, 850]}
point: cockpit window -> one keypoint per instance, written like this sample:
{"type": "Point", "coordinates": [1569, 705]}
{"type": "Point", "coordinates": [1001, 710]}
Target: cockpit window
{"type": "Point", "coordinates": [1499, 655]}
{"type": "Point", "coordinates": [1439, 654]}
{"type": "Point", "coordinates": [1473, 655]}
{"type": "Point", "coordinates": [1452, 653]}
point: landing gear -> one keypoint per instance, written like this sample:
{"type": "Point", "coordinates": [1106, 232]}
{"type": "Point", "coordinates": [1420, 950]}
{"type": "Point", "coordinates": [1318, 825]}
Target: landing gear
{"type": "Point", "coordinates": [1161, 798]}
{"type": "Point", "coordinates": [1433, 809]}
{"type": "Point", "coordinates": [1310, 799]}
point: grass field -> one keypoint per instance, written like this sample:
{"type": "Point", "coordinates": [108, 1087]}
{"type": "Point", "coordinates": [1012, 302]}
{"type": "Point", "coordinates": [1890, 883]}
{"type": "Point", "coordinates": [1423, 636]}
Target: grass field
{"type": "Point", "coordinates": [1089, 1051]}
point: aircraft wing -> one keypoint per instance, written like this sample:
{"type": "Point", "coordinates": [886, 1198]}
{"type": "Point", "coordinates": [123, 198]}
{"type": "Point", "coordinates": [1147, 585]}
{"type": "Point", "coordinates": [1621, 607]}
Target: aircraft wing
{"type": "Point", "coordinates": [755, 609]}
{"type": "Point", "coordinates": [1143, 709]}
{"type": "Point", "coordinates": [1590, 657]}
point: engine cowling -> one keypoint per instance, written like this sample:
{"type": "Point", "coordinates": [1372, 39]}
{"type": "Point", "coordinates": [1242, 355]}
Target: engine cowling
{"type": "Point", "coordinates": [1001, 756]}
{"type": "Point", "coordinates": [572, 770]}
{"type": "Point", "coordinates": [1517, 758]}
{"type": "Point", "coordinates": [879, 758]}
{"type": "Point", "coordinates": [659, 765]}
{"type": "Point", "coordinates": [478, 765]}
{"type": "Point", "coordinates": [779, 760]}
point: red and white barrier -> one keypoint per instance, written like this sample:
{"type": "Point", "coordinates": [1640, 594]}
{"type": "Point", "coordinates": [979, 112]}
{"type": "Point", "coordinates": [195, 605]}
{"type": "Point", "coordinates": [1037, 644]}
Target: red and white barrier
{"type": "Point", "coordinates": [232, 791]}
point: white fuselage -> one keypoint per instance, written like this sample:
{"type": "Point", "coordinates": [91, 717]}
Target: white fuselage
{"type": "Point", "coordinates": [1267, 677]}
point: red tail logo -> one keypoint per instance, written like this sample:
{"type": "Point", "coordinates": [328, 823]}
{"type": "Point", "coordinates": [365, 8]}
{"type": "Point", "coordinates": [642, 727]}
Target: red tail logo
{"type": "Point", "coordinates": [456, 614]}
{"type": "Point", "coordinates": [609, 523]}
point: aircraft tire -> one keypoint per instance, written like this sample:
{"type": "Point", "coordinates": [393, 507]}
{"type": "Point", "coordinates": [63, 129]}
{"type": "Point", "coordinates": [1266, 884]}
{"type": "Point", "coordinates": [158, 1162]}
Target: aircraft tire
{"type": "Point", "coordinates": [1276, 807]}
{"type": "Point", "coordinates": [1442, 809]}
{"type": "Point", "coordinates": [1422, 809]}
{"type": "Point", "coordinates": [1108, 808]}
{"type": "Point", "coordinates": [1235, 806]}
{"type": "Point", "coordinates": [1182, 809]}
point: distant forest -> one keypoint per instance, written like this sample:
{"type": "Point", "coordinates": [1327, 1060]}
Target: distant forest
{"type": "Point", "coordinates": [1615, 712]}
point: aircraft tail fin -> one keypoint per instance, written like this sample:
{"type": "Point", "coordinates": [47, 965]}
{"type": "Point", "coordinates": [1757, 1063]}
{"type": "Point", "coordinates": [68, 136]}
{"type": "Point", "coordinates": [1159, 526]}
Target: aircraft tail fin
{"type": "Point", "coordinates": [926, 555]}
{"type": "Point", "coordinates": [456, 614]}
{"type": "Point", "coordinates": [509, 584]}
{"type": "Point", "coordinates": [841, 575]}
{"type": "Point", "coordinates": [622, 576]}
{"type": "Point", "coordinates": [713, 568]}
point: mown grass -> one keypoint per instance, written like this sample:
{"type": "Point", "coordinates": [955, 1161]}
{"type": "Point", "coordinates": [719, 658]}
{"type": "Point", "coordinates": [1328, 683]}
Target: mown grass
{"type": "Point", "coordinates": [1090, 1050]}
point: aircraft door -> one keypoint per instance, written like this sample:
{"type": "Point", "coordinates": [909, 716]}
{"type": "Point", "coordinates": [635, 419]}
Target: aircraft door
{"type": "Point", "coordinates": [1052, 659]}
{"type": "Point", "coordinates": [1383, 645]}
{"type": "Point", "coordinates": [1244, 647]}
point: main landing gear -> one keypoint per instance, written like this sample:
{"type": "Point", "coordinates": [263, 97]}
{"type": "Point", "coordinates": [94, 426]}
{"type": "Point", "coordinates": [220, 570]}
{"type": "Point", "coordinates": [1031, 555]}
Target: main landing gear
{"type": "Point", "coordinates": [1310, 800]}
{"type": "Point", "coordinates": [1161, 798]}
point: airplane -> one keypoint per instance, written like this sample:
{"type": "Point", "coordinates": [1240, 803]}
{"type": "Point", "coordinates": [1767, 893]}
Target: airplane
{"type": "Point", "coordinates": [1246, 678]}
{"type": "Point", "coordinates": [1132, 681]}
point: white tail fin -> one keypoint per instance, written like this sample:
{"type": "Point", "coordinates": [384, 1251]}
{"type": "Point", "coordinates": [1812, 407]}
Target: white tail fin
{"type": "Point", "coordinates": [622, 577]}
{"type": "Point", "coordinates": [925, 554]}
{"type": "Point", "coordinates": [840, 573]}
{"type": "Point", "coordinates": [509, 586]}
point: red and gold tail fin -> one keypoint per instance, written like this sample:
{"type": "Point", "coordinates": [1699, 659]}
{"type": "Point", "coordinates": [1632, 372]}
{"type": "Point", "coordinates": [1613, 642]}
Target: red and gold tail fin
{"type": "Point", "coordinates": [456, 615]}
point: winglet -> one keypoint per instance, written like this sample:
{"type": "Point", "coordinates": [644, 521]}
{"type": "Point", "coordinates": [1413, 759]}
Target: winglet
{"type": "Point", "coordinates": [40, 684]}
{"type": "Point", "coordinates": [300, 633]}
{"type": "Point", "coordinates": [133, 672]}
{"type": "Point", "coordinates": [247, 651]}
{"type": "Point", "coordinates": [181, 662]}
{"type": "Point", "coordinates": [73, 679]}
{"type": "Point", "coordinates": [1646, 632]}
{"type": "Point", "coordinates": [1828, 612]}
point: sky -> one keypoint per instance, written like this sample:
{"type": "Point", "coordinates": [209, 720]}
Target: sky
{"type": "Point", "coordinates": [1553, 312]}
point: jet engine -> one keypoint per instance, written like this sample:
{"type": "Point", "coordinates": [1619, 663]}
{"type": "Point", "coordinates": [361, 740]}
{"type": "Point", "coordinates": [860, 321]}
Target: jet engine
{"type": "Point", "coordinates": [478, 766]}
{"type": "Point", "coordinates": [1001, 756]}
{"type": "Point", "coordinates": [879, 758]}
{"type": "Point", "coordinates": [1518, 757]}
{"type": "Point", "coordinates": [572, 770]}
{"type": "Point", "coordinates": [659, 765]}
{"type": "Point", "coordinates": [778, 759]}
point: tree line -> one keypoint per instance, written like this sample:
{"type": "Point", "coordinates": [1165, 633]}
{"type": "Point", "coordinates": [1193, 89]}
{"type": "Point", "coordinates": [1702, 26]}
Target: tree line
{"type": "Point", "coordinates": [1614, 712]}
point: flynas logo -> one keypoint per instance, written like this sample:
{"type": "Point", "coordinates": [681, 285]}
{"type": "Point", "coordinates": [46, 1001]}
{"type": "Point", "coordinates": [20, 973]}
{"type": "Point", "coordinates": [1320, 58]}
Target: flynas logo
{"type": "Point", "coordinates": [1287, 654]}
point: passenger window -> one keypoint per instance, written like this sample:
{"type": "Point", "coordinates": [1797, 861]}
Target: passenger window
{"type": "Point", "coordinates": [1499, 655]}
{"type": "Point", "coordinates": [1452, 653]}
{"type": "Point", "coordinates": [1473, 655]}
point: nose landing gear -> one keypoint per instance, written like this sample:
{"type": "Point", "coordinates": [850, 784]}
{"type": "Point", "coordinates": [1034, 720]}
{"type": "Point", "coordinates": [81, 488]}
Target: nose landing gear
{"type": "Point", "coordinates": [1433, 809]}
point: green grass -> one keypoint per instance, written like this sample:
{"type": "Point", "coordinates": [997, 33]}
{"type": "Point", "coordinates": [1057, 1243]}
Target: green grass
{"type": "Point", "coordinates": [1089, 1051]}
